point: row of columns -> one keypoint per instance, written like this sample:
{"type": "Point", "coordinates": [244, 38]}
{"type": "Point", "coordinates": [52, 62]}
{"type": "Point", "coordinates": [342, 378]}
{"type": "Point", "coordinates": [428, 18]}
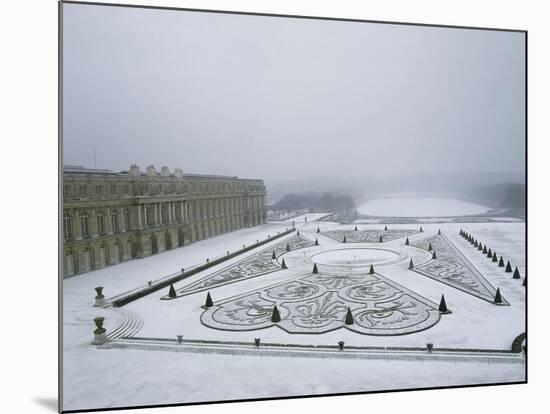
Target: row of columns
{"type": "Point", "coordinates": [150, 214]}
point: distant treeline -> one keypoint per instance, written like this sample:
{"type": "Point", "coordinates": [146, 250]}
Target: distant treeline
{"type": "Point", "coordinates": [509, 195]}
{"type": "Point", "coordinates": [326, 202]}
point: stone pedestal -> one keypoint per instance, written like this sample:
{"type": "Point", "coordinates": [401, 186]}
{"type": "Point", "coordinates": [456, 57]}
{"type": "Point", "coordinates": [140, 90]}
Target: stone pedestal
{"type": "Point", "coordinates": [100, 333]}
{"type": "Point", "coordinates": [99, 299]}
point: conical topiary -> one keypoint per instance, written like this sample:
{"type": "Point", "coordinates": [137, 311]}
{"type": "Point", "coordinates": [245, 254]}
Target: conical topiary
{"type": "Point", "coordinates": [318, 230]}
{"type": "Point", "coordinates": [439, 232]}
{"type": "Point", "coordinates": [355, 228]}
{"type": "Point", "coordinates": [283, 265]}
{"type": "Point", "coordinates": [498, 297]}
{"type": "Point", "coordinates": [385, 228]}
{"type": "Point", "coordinates": [443, 305]}
{"type": "Point", "coordinates": [316, 242]}
{"type": "Point", "coordinates": [411, 264]}
{"type": "Point", "coordinates": [275, 316]}
{"type": "Point", "coordinates": [345, 240]}
{"type": "Point", "coordinates": [485, 249]}
{"type": "Point", "coordinates": [495, 257]}
{"type": "Point", "coordinates": [501, 262]}
{"type": "Point", "coordinates": [475, 243]}
{"type": "Point", "coordinates": [297, 232]}
{"type": "Point", "coordinates": [421, 230]}
{"type": "Point", "coordinates": [371, 270]}
{"type": "Point", "coordinates": [516, 274]}
{"type": "Point", "coordinates": [380, 239]}
{"type": "Point", "coordinates": [430, 247]}
{"type": "Point", "coordinates": [315, 271]}
{"type": "Point", "coordinates": [349, 317]}
{"type": "Point", "coordinates": [489, 253]}
{"type": "Point", "coordinates": [479, 247]}
{"type": "Point", "coordinates": [434, 256]}
{"type": "Point", "coordinates": [508, 267]}
{"type": "Point", "coordinates": [208, 302]}
{"type": "Point", "coordinates": [172, 291]}
{"type": "Point", "coordinates": [461, 232]}
{"type": "Point", "coordinates": [407, 242]}
{"type": "Point", "coordinates": [288, 247]}
{"type": "Point", "coordinates": [273, 256]}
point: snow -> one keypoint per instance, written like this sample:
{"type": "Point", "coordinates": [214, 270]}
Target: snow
{"type": "Point", "coordinates": [354, 257]}
{"type": "Point", "coordinates": [92, 377]}
{"type": "Point", "coordinates": [420, 207]}
{"type": "Point", "coordinates": [167, 377]}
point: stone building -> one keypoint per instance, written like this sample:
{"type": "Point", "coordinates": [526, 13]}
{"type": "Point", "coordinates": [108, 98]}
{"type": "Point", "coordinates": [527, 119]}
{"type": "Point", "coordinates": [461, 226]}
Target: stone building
{"type": "Point", "coordinates": [110, 217]}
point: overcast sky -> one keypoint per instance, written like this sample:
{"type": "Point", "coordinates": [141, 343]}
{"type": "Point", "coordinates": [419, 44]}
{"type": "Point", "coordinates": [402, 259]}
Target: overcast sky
{"type": "Point", "coordinates": [276, 98]}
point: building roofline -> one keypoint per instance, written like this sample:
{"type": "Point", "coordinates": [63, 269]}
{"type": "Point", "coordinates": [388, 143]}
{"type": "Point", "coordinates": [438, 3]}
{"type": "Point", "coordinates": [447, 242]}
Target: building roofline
{"type": "Point", "coordinates": [77, 169]}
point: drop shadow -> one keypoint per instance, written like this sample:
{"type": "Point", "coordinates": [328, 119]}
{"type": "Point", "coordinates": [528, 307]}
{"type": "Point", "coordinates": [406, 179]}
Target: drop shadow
{"type": "Point", "coordinates": [49, 403]}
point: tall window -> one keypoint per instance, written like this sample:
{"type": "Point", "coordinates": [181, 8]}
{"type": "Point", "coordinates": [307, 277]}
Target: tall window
{"type": "Point", "coordinates": [99, 189]}
{"type": "Point", "coordinates": [100, 223]}
{"type": "Point", "coordinates": [127, 218]}
{"type": "Point", "coordinates": [147, 216]}
{"type": "Point", "coordinates": [83, 190]}
{"type": "Point", "coordinates": [163, 214]}
{"type": "Point", "coordinates": [85, 225]}
{"type": "Point", "coordinates": [113, 188]}
{"type": "Point", "coordinates": [67, 227]}
{"type": "Point", "coordinates": [114, 219]}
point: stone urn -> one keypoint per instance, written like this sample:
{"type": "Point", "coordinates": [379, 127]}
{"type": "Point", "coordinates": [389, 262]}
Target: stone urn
{"type": "Point", "coordinates": [341, 345]}
{"type": "Point", "coordinates": [100, 333]}
{"type": "Point", "coordinates": [99, 298]}
{"type": "Point", "coordinates": [180, 338]}
{"type": "Point", "coordinates": [257, 342]}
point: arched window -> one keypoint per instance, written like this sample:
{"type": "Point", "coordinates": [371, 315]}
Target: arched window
{"type": "Point", "coordinates": [116, 252]}
{"type": "Point", "coordinates": [86, 259]}
{"type": "Point", "coordinates": [69, 263]}
{"type": "Point", "coordinates": [129, 249]}
{"type": "Point", "coordinates": [67, 226]}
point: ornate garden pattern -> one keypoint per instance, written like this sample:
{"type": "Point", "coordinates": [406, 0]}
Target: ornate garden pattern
{"type": "Point", "coordinates": [452, 268]}
{"type": "Point", "coordinates": [318, 303]}
{"type": "Point", "coordinates": [258, 264]}
{"type": "Point", "coordinates": [367, 236]}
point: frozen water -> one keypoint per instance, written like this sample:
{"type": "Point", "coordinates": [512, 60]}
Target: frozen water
{"type": "Point", "coordinates": [420, 207]}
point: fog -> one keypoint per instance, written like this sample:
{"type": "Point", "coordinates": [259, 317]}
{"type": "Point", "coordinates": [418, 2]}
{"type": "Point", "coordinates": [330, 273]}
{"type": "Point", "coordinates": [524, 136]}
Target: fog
{"type": "Point", "coordinates": [284, 99]}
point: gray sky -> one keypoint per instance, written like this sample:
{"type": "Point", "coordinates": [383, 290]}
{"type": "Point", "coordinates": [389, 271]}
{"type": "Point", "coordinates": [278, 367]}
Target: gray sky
{"type": "Point", "coordinates": [273, 98]}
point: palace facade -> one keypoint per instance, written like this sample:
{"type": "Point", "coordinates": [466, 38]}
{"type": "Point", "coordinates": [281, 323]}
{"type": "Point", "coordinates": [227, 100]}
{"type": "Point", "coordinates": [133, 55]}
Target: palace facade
{"type": "Point", "coordinates": [110, 217]}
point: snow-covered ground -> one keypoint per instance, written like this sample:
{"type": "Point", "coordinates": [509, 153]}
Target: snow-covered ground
{"type": "Point", "coordinates": [420, 207]}
{"type": "Point", "coordinates": [92, 377]}
{"type": "Point", "coordinates": [114, 378]}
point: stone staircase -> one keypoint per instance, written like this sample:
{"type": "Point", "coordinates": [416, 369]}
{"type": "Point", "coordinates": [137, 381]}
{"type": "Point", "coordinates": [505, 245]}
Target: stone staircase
{"type": "Point", "coordinates": [130, 326]}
